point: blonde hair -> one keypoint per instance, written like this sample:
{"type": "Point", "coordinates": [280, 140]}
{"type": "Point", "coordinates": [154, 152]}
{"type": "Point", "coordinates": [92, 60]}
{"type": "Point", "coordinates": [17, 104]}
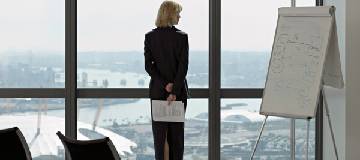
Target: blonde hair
{"type": "Point", "coordinates": [167, 14]}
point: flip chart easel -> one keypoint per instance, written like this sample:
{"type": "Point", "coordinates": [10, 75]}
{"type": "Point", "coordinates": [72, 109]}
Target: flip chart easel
{"type": "Point", "coordinates": [305, 57]}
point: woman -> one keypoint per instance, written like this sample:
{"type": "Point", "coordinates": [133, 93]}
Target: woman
{"type": "Point", "coordinates": [166, 61]}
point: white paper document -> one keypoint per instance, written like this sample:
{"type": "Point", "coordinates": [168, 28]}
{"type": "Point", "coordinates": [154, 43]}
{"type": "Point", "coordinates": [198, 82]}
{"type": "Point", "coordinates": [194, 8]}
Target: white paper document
{"type": "Point", "coordinates": [162, 111]}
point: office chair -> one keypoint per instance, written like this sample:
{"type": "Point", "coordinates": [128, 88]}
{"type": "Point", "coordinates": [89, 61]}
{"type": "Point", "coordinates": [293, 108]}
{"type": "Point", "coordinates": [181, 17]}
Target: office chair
{"type": "Point", "coordinates": [13, 145]}
{"type": "Point", "coordinates": [98, 149]}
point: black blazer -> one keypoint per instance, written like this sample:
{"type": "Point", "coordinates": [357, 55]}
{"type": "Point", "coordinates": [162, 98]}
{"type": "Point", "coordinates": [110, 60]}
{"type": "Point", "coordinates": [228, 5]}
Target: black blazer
{"type": "Point", "coordinates": [166, 61]}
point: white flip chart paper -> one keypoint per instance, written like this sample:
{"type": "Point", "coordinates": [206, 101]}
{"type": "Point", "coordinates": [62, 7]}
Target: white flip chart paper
{"type": "Point", "coordinates": [305, 56]}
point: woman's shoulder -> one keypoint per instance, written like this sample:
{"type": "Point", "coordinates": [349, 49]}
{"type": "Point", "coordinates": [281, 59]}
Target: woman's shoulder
{"type": "Point", "coordinates": [159, 30]}
{"type": "Point", "coordinates": [153, 31]}
{"type": "Point", "coordinates": [150, 32]}
{"type": "Point", "coordinates": [180, 31]}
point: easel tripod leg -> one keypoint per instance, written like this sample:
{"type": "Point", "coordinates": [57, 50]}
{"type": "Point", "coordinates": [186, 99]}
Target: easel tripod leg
{"type": "Point", "coordinates": [292, 138]}
{"type": "Point", "coordinates": [258, 139]}
{"type": "Point", "coordinates": [307, 139]}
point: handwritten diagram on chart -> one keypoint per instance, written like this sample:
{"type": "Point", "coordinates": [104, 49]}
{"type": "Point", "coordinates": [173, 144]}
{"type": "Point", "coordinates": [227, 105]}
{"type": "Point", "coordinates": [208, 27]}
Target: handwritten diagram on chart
{"type": "Point", "coordinates": [295, 68]}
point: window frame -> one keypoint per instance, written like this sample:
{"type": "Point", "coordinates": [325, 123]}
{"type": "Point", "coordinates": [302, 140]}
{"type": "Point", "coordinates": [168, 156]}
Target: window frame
{"type": "Point", "coordinates": [214, 93]}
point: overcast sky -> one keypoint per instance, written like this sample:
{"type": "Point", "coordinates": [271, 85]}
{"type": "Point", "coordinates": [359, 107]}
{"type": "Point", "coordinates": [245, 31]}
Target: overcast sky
{"type": "Point", "coordinates": [118, 25]}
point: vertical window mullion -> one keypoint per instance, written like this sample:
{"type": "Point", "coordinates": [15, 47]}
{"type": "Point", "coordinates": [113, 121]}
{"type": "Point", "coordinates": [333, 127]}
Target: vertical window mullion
{"type": "Point", "coordinates": [214, 79]}
{"type": "Point", "coordinates": [70, 68]}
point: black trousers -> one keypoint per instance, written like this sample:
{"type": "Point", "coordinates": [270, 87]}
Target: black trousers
{"type": "Point", "coordinates": [174, 131]}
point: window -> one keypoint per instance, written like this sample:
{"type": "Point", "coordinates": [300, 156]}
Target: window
{"type": "Point", "coordinates": [111, 42]}
{"type": "Point", "coordinates": [32, 44]}
{"type": "Point", "coordinates": [38, 120]}
{"type": "Point", "coordinates": [247, 33]}
{"type": "Point", "coordinates": [109, 54]}
{"type": "Point", "coordinates": [305, 3]}
{"type": "Point", "coordinates": [300, 139]}
{"type": "Point", "coordinates": [240, 125]}
{"type": "Point", "coordinates": [128, 123]}
{"type": "Point", "coordinates": [247, 37]}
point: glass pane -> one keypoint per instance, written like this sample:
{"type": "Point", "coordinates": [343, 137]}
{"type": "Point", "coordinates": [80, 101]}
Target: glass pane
{"type": "Point", "coordinates": [301, 133]}
{"type": "Point", "coordinates": [111, 42]}
{"type": "Point", "coordinates": [128, 124]}
{"type": "Point", "coordinates": [247, 30]}
{"type": "Point", "coordinates": [303, 3]}
{"type": "Point", "coordinates": [32, 44]}
{"type": "Point", "coordinates": [240, 126]}
{"type": "Point", "coordinates": [38, 120]}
